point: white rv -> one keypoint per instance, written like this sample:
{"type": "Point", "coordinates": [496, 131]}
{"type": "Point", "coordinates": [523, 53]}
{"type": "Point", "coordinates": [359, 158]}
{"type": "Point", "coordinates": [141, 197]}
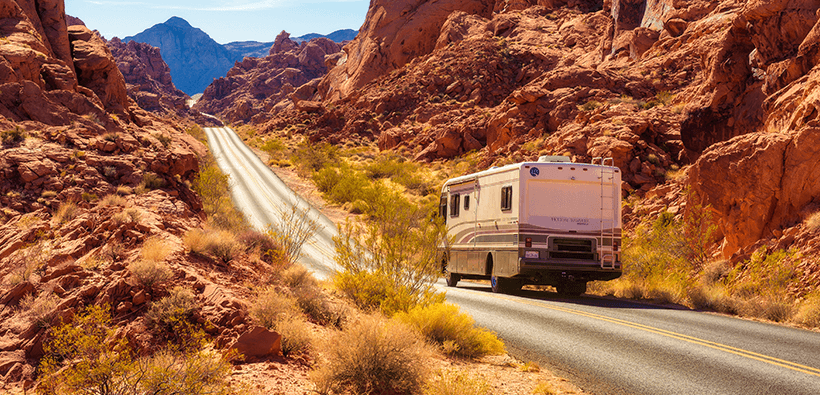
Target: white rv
{"type": "Point", "coordinates": [549, 222]}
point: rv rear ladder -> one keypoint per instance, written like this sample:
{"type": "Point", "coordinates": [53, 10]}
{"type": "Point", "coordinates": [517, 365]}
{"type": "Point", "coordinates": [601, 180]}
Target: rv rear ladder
{"type": "Point", "coordinates": [608, 212]}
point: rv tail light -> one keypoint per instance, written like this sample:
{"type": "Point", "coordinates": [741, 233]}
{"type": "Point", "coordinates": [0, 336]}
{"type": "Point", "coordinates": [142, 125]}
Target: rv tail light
{"type": "Point", "coordinates": [528, 242]}
{"type": "Point", "coordinates": [615, 245]}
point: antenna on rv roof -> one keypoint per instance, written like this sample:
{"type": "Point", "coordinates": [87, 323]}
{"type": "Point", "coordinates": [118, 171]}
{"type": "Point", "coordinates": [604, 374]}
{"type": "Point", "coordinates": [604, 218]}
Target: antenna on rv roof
{"type": "Point", "coordinates": [554, 159]}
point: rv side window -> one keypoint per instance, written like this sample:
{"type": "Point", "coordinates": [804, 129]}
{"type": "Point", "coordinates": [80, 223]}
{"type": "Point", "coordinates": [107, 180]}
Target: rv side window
{"type": "Point", "coordinates": [454, 204]}
{"type": "Point", "coordinates": [442, 208]}
{"type": "Point", "coordinates": [466, 202]}
{"type": "Point", "coordinates": [506, 198]}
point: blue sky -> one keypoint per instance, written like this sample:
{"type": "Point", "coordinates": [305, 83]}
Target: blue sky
{"type": "Point", "coordinates": [224, 21]}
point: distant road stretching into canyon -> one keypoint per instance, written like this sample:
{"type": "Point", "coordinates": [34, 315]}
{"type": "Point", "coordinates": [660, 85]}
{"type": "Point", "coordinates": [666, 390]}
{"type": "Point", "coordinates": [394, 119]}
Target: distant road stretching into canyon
{"type": "Point", "coordinates": [604, 345]}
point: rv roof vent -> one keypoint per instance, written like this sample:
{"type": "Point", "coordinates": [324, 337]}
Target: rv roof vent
{"type": "Point", "coordinates": [554, 159]}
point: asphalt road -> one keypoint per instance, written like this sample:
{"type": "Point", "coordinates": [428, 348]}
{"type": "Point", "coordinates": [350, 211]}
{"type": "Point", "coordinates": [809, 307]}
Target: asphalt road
{"type": "Point", "coordinates": [263, 197]}
{"type": "Point", "coordinates": [605, 346]}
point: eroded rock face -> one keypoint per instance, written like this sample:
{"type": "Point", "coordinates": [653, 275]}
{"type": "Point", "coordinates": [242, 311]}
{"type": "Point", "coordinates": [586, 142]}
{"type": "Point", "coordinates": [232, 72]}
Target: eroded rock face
{"type": "Point", "coordinates": [394, 33]}
{"type": "Point", "coordinates": [254, 86]}
{"type": "Point", "coordinates": [96, 68]}
{"type": "Point", "coordinates": [148, 78]}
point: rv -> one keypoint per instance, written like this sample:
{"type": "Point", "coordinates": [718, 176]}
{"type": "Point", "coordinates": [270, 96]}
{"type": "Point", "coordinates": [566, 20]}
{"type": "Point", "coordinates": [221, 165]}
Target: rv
{"type": "Point", "coordinates": [551, 222]}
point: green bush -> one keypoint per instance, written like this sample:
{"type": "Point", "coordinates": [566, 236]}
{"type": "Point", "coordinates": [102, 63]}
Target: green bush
{"type": "Point", "coordinates": [84, 357]}
{"type": "Point", "coordinates": [443, 324]}
{"type": "Point", "coordinates": [373, 357]}
{"type": "Point", "coordinates": [171, 311]}
{"type": "Point", "coordinates": [213, 187]}
{"type": "Point", "coordinates": [198, 133]}
{"type": "Point", "coordinates": [391, 261]}
{"type": "Point", "coordinates": [310, 158]}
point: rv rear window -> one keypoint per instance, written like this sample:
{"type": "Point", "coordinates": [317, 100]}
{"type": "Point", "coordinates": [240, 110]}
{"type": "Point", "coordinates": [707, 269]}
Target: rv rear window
{"type": "Point", "coordinates": [506, 198]}
{"type": "Point", "coordinates": [454, 204]}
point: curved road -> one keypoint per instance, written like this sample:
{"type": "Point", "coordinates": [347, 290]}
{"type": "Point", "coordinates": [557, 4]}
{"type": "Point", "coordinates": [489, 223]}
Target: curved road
{"type": "Point", "coordinates": [605, 346]}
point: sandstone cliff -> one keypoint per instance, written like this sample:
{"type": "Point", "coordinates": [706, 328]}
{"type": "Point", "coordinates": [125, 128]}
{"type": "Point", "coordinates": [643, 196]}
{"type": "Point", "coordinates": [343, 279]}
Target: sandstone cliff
{"type": "Point", "coordinates": [254, 86]}
{"type": "Point", "coordinates": [658, 85]}
{"type": "Point", "coordinates": [86, 178]}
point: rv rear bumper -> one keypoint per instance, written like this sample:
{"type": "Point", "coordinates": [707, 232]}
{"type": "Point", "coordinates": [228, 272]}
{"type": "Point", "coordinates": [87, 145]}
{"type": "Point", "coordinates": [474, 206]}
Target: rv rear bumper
{"type": "Point", "coordinates": [549, 271]}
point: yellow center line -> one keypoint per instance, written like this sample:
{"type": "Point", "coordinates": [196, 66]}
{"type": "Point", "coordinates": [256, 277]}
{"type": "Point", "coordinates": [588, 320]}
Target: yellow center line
{"type": "Point", "coordinates": [674, 335]}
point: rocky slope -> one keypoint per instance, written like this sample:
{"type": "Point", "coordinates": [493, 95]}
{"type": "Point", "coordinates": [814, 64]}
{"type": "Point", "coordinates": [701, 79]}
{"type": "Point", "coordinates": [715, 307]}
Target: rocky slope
{"type": "Point", "coordinates": [722, 89]}
{"type": "Point", "coordinates": [254, 86]}
{"type": "Point", "coordinates": [87, 177]}
{"type": "Point", "coordinates": [194, 57]}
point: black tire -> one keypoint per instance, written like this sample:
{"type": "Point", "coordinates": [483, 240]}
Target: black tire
{"type": "Point", "coordinates": [572, 288]}
{"type": "Point", "coordinates": [451, 278]}
{"type": "Point", "coordinates": [504, 285]}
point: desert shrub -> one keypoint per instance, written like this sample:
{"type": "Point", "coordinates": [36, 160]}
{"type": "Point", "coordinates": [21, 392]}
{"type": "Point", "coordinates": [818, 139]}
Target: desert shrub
{"type": "Point", "coordinates": [48, 194]}
{"type": "Point", "coordinates": [443, 322]}
{"type": "Point", "coordinates": [713, 297]}
{"type": "Point", "coordinates": [26, 262]}
{"type": "Point", "coordinates": [213, 187]}
{"type": "Point", "coordinates": [171, 311]}
{"type": "Point", "coordinates": [271, 307]}
{"type": "Point", "coordinates": [198, 133]}
{"type": "Point", "coordinates": [297, 225]}
{"type": "Point", "coordinates": [296, 336]}
{"type": "Point", "coordinates": [13, 136]}
{"type": "Point", "coordinates": [124, 190]}
{"type": "Point", "coordinates": [262, 243]}
{"type": "Point", "coordinates": [296, 276]}
{"type": "Point", "coordinates": [89, 197]}
{"type": "Point", "coordinates": [217, 243]}
{"type": "Point", "coordinates": [40, 309]}
{"type": "Point", "coordinates": [84, 357]}
{"type": "Point", "coordinates": [530, 367]}
{"type": "Point", "coordinates": [67, 212]}
{"type": "Point", "coordinates": [152, 180]}
{"type": "Point", "coordinates": [544, 388]}
{"type": "Point", "coordinates": [590, 105]}
{"type": "Point", "coordinates": [310, 298]}
{"type": "Point", "coordinates": [155, 249]}
{"type": "Point", "coordinates": [813, 222]}
{"type": "Point", "coordinates": [456, 384]}
{"type": "Point", "coordinates": [391, 261]}
{"type": "Point", "coordinates": [91, 363]}
{"type": "Point", "coordinates": [163, 139]}
{"type": "Point", "coordinates": [150, 273]}
{"type": "Point", "coordinates": [373, 357]}
{"type": "Point", "coordinates": [310, 158]}
{"type": "Point", "coordinates": [808, 312]}
{"type": "Point", "coordinates": [765, 274]}
{"type": "Point", "coordinates": [121, 218]}
{"type": "Point", "coordinates": [113, 200]}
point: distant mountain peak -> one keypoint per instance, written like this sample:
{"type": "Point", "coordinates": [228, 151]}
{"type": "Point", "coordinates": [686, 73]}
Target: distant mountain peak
{"type": "Point", "coordinates": [176, 21]}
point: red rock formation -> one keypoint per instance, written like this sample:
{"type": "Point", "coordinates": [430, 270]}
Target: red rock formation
{"type": "Point", "coordinates": [254, 86]}
{"type": "Point", "coordinates": [655, 84]}
{"type": "Point", "coordinates": [148, 78]}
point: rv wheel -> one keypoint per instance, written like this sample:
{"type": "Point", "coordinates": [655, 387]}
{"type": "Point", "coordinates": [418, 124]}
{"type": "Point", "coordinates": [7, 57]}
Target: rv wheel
{"type": "Point", "coordinates": [504, 285]}
{"type": "Point", "coordinates": [451, 278]}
